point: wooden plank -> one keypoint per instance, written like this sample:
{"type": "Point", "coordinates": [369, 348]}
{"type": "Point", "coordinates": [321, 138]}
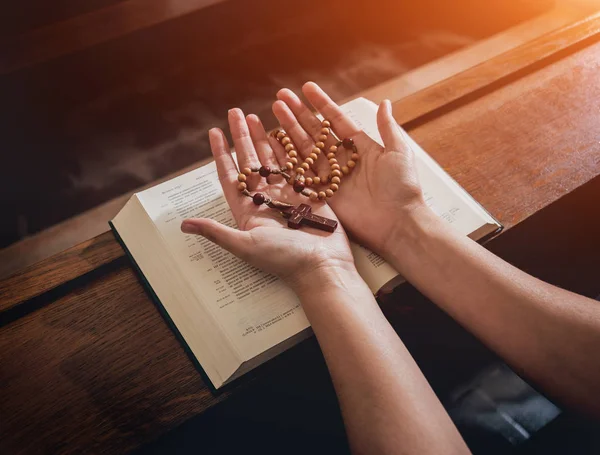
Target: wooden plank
{"type": "Point", "coordinates": [93, 28]}
{"type": "Point", "coordinates": [85, 380]}
{"type": "Point", "coordinates": [522, 147]}
{"type": "Point", "coordinates": [562, 15]}
{"type": "Point", "coordinates": [104, 353]}
{"type": "Point", "coordinates": [493, 70]}
{"type": "Point", "coordinates": [58, 269]}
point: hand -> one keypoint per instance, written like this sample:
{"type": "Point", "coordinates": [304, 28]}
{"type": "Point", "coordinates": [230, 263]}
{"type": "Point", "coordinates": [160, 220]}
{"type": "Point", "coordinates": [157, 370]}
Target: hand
{"type": "Point", "coordinates": [263, 239]}
{"type": "Point", "coordinates": [380, 195]}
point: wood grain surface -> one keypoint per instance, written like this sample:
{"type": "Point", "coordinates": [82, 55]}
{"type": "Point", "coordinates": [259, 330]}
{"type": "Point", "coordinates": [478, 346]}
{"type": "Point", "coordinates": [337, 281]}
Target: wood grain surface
{"type": "Point", "coordinates": [58, 269]}
{"type": "Point", "coordinates": [494, 70]}
{"type": "Point", "coordinates": [98, 370]}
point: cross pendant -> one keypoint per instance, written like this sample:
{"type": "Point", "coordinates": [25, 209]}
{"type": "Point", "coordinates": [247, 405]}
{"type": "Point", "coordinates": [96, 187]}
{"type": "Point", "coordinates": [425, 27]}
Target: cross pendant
{"type": "Point", "coordinates": [303, 216]}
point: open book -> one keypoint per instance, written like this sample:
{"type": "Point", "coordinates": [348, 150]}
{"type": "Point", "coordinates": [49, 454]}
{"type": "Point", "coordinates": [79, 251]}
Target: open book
{"type": "Point", "coordinates": [231, 316]}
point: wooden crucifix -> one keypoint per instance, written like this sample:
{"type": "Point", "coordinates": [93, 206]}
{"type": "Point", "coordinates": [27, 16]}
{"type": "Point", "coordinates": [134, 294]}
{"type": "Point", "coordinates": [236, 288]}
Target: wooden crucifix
{"type": "Point", "coordinates": [303, 216]}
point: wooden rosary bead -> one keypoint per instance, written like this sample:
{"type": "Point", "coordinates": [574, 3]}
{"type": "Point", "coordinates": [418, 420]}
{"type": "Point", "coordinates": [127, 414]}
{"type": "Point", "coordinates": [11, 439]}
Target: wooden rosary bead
{"type": "Point", "coordinates": [336, 180]}
{"type": "Point", "coordinates": [305, 166]}
{"type": "Point", "coordinates": [316, 150]}
{"type": "Point", "coordinates": [313, 196]}
{"type": "Point", "coordinates": [332, 161]}
{"type": "Point", "coordinates": [325, 124]}
{"type": "Point", "coordinates": [264, 171]}
{"type": "Point", "coordinates": [299, 186]}
{"type": "Point", "coordinates": [292, 153]}
{"type": "Point", "coordinates": [280, 135]}
{"type": "Point", "coordinates": [309, 161]}
{"type": "Point", "coordinates": [300, 170]}
{"type": "Point", "coordinates": [289, 147]}
{"type": "Point", "coordinates": [294, 161]}
{"type": "Point", "coordinates": [289, 165]}
{"type": "Point", "coordinates": [328, 193]}
{"type": "Point", "coordinates": [323, 138]}
{"type": "Point", "coordinates": [241, 178]}
{"type": "Point", "coordinates": [258, 198]}
{"type": "Point", "coordinates": [336, 173]}
{"type": "Point", "coordinates": [317, 180]}
{"type": "Point", "coordinates": [325, 131]}
{"type": "Point", "coordinates": [322, 195]}
{"type": "Point", "coordinates": [242, 186]}
{"type": "Point", "coordinates": [246, 171]}
{"type": "Point", "coordinates": [308, 181]}
{"type": "Point", "coordinates": [334, 186]}
{"type": "Point", "coordinates": [351, 164]}
{"type": "Point", "coordinates": [285, 141]}
{"type": "Point", "coordinates": [330, 155]}
{"type": "Point", "coordinates": [333, 149]}
{"type": "Point", "coordinates": [335, 166]}
{"type": "Point", "coordinates": [354, 156]}
{"type": "Point", "coordinates": [320, 145]}
{"type": "Point", "coordinates": [346, 170]}
{"type": "Point", "coordinates": [313, 156]}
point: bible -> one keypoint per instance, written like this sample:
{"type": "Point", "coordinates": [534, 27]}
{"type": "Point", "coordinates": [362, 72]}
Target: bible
{"type": "Point", "coordinates": [230, 316]}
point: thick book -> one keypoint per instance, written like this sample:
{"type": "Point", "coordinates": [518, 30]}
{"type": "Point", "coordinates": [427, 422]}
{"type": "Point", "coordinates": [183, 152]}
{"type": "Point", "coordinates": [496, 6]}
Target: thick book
{"type": "Point", "coordinates": [231, 316]}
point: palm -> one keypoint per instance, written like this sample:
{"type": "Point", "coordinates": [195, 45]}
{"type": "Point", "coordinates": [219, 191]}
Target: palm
{"type": "Point", "coordinates": [263, 238]}
{"type": "Point", "coordinates": [382, 184]}
{"type": "Point", "coordinates": [276, 244]}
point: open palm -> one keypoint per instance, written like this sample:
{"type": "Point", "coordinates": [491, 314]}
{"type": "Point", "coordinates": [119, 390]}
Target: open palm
{"type": "Point", "coordinates": [263, 239]}
{"type": "Point", "coordinates": [383, 183]}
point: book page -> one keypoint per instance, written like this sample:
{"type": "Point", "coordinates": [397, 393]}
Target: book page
{"type": "Point", "coordinates": [256, 310]}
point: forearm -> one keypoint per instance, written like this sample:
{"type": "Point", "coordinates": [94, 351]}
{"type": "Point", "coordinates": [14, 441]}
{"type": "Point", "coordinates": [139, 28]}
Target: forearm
{"type": "Point", "coordinates": [548, 334]}
{"type": "Point", "coordinates": [387, 405]}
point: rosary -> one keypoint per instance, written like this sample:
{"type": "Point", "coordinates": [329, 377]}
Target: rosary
{"type": "Point", "coordinates": [302, 182]}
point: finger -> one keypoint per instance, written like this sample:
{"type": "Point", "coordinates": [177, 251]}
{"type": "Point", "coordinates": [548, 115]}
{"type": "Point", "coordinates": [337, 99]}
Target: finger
{"type": "Point", "coordinates": [341, 123]}
{"type": "Point", "coordinates": [307, 119]}
{"type": "Point", "coordinates": [303, 141]}
{"type": "Point", "coordinates": [226, 168]}
{"type": "Point", "coordinates": [233, 240]}
{"type": "Point", "coordinates": [391, 134]}
{"type": "Point", "coordinates": [263, 148]}
{"type": "Point", "coordinates": [244, 148]}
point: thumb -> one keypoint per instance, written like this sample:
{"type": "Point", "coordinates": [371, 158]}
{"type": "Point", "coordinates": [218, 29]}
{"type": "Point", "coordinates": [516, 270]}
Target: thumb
{"type": "Point", "coordinates": [233, 240]}
{"type": "Point", "coordinates": [390, 131]}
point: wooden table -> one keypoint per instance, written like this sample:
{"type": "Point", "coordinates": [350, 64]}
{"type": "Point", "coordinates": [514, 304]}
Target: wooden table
{"type": "Point", "coordinates": [87, 363]}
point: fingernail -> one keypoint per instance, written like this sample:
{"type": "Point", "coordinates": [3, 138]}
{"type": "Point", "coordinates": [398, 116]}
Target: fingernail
{"type": "Point", "coordinates": [235, 111]}
{"type": "Point", "coordinates": [189, 227]}
{"type": "Point", "coordinates": [252, 117]}
{"type": "Point", "coordinates": [214, 134]}
{"type": "Point", "coordinates": [388, 106]}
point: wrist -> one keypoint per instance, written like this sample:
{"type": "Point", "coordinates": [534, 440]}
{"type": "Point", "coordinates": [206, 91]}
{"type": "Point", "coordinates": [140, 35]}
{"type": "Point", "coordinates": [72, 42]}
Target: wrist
{"type": "Point", "coordinates": [326, 276]}
{"type": "Point", "coordinates": [408, 237]}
